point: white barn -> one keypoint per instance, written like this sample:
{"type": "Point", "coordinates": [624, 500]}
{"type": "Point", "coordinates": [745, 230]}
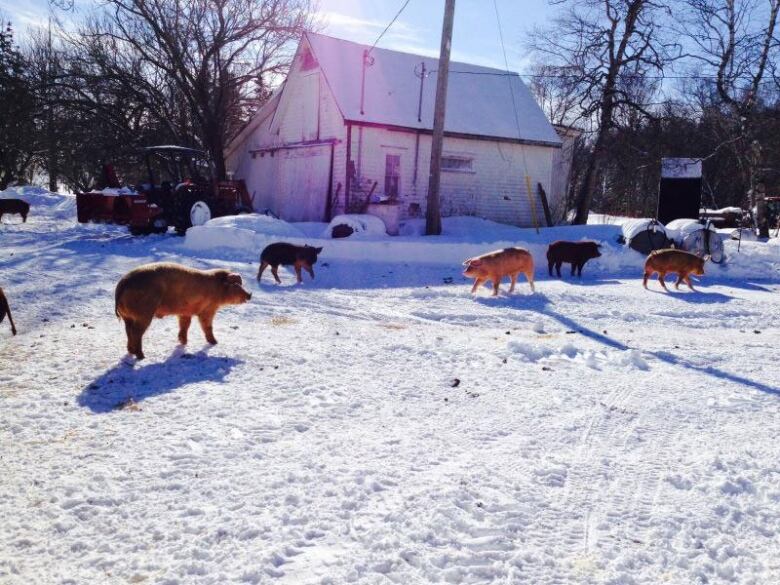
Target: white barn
{"type": "Point", "coordinates": [327, 141]}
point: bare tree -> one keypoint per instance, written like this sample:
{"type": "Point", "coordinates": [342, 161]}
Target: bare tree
{"type": "Point", "coordinates": [556, 91]}
{"type": "Point", "coordinates": [19, 110]}
{"type": "Point", "coordinates": [194, 65]}
{"type": "Point", "coordinates": [603, 47]}
{"type": "Point", "coordinates": [735, 41]}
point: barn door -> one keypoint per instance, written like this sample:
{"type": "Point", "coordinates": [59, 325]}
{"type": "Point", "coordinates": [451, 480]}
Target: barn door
{"type": "Point", "coordinates": [261, 181]}
{"type": "Point", "coordinates": [304, 174]}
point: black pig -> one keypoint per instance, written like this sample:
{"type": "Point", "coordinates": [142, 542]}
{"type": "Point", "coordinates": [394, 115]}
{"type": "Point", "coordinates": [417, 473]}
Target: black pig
{"type": "Point", "coordinates": [288, 255]}
{"type": "Point", "coordinates": [14, 206]}
{"type": "Point", "coordinates": [574, 253]}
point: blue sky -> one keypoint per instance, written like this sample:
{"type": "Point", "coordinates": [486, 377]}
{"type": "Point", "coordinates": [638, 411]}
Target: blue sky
{"type": "Point", "coordinates": [417, 30]}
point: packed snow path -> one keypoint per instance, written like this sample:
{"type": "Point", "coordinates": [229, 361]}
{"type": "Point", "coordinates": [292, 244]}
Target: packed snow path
{"type": "Point", "coordinates": [378, 425]}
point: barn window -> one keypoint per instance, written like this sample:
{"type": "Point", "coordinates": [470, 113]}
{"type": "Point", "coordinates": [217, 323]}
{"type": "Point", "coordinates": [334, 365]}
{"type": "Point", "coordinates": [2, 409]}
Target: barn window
{"type": "Point", "coordinates": [462, 164]}
{"type": "Point", "coordinates": [392, 175]}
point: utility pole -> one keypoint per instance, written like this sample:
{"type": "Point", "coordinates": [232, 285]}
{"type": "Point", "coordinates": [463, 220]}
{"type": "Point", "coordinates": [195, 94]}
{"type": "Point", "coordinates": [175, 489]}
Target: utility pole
{"type": "Point", "coordinates": [433, 210]}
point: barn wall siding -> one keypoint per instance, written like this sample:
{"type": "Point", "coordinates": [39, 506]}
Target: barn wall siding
{"type": "Point", "coordinates": [495, 188]}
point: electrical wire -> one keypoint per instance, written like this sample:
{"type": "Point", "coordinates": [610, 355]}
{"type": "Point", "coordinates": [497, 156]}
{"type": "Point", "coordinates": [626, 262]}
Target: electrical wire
{"type": "Point", "coordinates": [531, 200]}
{"type": "Point", "coordinates": [379, 38]}
{"type": "Point", "coordinates": [572, 76]}
{"type": "Point", "coordinates": [506, 64]}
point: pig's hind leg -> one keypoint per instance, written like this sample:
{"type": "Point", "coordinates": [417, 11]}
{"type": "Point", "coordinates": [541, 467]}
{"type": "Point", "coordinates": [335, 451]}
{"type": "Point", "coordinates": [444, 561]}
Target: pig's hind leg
{"type": "Point", "coordinates": [135, 330]}
{"type": "Point", "coordinates": [275, 272]}
{"type": "Point", "coordinates": [530, 276]}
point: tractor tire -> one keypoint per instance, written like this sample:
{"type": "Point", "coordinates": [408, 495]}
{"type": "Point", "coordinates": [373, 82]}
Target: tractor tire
{"type": "Point", "coordinates": [191, 210]}
{"type": "Point", "coordinates": [200, 213]}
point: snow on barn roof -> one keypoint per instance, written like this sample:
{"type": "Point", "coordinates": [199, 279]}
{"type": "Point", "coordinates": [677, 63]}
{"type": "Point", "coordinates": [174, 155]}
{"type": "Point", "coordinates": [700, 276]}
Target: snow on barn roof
{"type": "Point", "coordinates": [481, 101]}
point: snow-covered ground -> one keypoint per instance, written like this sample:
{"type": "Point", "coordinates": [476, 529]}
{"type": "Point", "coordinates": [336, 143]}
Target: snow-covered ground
{"type": "Point", "coordinates": [380, 425]}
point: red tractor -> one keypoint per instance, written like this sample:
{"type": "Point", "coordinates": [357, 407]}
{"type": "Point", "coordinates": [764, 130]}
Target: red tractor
{"type": "Point", "coordinates": [180, 192]}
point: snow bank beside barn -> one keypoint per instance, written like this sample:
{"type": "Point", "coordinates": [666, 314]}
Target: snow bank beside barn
{"type": "Point", "coordinates": [244, 237]}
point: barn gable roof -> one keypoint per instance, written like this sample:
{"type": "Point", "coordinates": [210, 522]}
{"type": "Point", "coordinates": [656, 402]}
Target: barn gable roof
{"type": "Point", "coordinates": [481, 101]}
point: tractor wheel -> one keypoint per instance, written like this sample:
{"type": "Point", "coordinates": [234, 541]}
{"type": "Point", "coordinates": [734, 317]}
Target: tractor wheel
{"type": "Point", "coordinates": [191, 210]}
{"type": "Point", "coordinates": [200, 213]}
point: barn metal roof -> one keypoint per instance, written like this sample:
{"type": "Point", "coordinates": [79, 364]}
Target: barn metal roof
{"type": "Point", "coordinates": [481, 101]}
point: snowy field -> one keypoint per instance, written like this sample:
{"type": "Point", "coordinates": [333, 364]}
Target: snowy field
{"type": "Point", "coordinates": [379, 425]}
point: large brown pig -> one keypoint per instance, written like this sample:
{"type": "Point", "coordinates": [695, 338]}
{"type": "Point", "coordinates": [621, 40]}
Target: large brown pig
{"type": "Point", "coordinates": [161, 289]}
{"type": "Point", "coordinates": [496, 265]}
{"type": "Point", "coordinates": [14, 206]}
{"type": "Point", "coordinates": [671, 260]}
{"type": "Point", "coordinates": [6, 310]}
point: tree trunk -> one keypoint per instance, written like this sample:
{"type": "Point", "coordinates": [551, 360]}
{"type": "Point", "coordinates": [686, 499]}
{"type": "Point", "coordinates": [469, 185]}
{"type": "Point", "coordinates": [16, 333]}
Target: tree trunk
{"type": "Point", "coordinates": [588, 187]}
{"type": "Point", "coordinates": [585, 195]}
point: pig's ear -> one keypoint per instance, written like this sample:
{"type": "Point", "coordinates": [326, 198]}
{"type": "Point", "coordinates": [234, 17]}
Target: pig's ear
{"type": "Point", "coordinates": [234, 278]}
{"type": "Point", "coordinates": [706, 257]}
{"type": "Point", "coordinates": [318, 250]}
{"type": "Point", "coordinates": [473, 262]}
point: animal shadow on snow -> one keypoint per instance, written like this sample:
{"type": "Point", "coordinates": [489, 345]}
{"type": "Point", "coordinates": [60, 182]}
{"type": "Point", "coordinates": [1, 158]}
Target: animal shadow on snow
{"type": "Point", "coordinates": [539, 303]}
{"type": "Point", "coordinates": [124, 382]}
{"type": "Point", "coordinates": [698, 296]}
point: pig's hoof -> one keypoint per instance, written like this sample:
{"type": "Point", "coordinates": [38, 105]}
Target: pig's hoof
{"type": "Point", "coordinates": [212, 341]}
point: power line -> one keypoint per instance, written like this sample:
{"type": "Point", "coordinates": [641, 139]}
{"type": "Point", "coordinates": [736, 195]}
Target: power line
{"type": "Point", "coordinates": [573, 76]}
{"type": "Point", "coordinates": [506, 63]}
{"type": "Point", "coordinates": [531, 200]}
{"type": "Point", "coordinates": [379, 38]}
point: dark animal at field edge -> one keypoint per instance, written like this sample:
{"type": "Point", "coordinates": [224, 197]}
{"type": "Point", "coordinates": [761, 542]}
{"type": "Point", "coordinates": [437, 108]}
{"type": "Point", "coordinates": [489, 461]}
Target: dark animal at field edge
{"type": "Point", "coordinates": [5, 309]}
{"type": "Point", "coordinates": [12, 206]}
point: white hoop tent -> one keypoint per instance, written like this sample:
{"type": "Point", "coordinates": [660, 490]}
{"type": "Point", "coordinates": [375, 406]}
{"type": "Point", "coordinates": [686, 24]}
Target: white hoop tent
{"type": "Point", "coordinates": [697, 238]}
{"type": "Point", "coordinates": [645, 235]}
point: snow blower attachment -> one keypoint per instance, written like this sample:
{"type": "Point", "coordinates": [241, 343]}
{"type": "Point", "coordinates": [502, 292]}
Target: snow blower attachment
{"type": "Point", "coordinates": [698, 238]}
{"type": "Point", "coordinates": [179, 191]}
{"type": "Point", "coordinates": [645, 235]}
